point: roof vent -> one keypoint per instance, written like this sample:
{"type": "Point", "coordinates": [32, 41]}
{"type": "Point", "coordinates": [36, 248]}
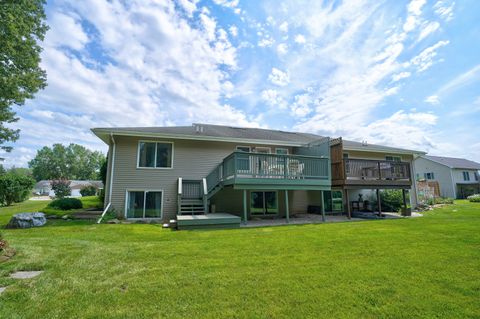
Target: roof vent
{"type": "Point", "coordinates": [364, 143]}
{"type": "Point", "coordinates": [199, 128]}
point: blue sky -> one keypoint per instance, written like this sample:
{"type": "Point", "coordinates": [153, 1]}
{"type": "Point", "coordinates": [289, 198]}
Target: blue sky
{"type": "Point", "coordinates": [399, 73]}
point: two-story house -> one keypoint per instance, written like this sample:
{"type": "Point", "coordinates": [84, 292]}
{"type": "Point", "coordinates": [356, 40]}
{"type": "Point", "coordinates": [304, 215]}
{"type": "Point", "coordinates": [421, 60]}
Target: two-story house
{"type": "Point", "coordinates": [457, 177]}
{"type": "Point", "coordinates": [169, 172]}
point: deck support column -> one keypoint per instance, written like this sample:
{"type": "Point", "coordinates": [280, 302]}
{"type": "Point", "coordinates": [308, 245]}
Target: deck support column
{"type": "Point", "coordinates": [404, 196]}
{"type": "Point", "coordinates": [323, 206]}
{"type": "Point", "coordinates": [349, 213]}
{"type": "Point", "coordinates": [287, 209]}
{"type": "Point", "coordinates": [379, 201]}
{"type": "Point", "coordinates": [245, 206]}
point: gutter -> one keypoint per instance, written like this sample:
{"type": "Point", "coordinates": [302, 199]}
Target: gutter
{"type": "Point", "coordinates": [111, 179]}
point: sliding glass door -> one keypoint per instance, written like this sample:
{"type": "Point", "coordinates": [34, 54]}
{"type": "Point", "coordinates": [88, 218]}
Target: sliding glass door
{"type": "Point", "coordinates": [144, 204]}
{"type": "Point", "coordinates": [263, 203]}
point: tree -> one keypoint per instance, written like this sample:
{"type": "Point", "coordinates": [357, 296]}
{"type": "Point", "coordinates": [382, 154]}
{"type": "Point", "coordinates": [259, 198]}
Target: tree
{"type": "Point", "coordinates": [15, 188]}
{"type": "Point", "coordinates": [69, 162]}
{"type": "Point", "coordinates": [22, 26]}
{"type": "Point", "coordinates": [61, 188]}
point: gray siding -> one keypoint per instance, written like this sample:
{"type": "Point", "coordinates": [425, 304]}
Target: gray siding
{"type": "Point", "coordinates": [191, 160]}
{"type": "Point", "coordinates": [441, 173]}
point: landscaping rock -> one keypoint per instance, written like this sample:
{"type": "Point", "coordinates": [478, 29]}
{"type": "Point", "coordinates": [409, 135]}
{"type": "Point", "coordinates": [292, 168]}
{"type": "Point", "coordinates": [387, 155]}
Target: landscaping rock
{"type": "Point", "coordinates": [25, 274]}
{"type": "Point", "coordinates": [27, 220]}
{"type": "Point", "coordinates": [66, 217]}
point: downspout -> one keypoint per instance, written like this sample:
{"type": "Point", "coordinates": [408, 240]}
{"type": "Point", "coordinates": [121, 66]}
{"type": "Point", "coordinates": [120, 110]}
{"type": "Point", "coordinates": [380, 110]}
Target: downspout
{"type": "Point", "coordinates": [110, 181]}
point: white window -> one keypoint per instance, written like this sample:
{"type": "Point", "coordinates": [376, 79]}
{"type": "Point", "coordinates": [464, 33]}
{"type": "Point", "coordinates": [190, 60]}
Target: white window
{"type": "Point", "coordinates": [393, 158]}
{"type": "Point", "coordinates": [281, 151]}
{"type": "Point", "coordinates": [466, 176]}
{"type": "Point", "coordinates": [155, 154]}
{"type": "Point", "coordinates": [477, 177]}
{"type": "Point", "coordinates": [144, 204]}
{"type": "Point", "coordinates": [429, 175]}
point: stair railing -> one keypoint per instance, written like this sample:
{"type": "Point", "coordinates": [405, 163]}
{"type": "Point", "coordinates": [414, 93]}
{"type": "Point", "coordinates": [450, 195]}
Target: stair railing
{"type": "Point", "coordinates": [205, 194]}
{"type": "Point", "coordinates": [179, 196]}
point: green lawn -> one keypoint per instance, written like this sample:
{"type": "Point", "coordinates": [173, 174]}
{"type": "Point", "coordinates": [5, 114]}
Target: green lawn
{"type": "Point", "coordinates": [410, 268]}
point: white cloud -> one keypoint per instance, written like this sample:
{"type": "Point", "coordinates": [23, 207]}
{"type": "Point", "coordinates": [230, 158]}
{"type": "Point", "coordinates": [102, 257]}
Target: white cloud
{"type": "Point", "coordinates": [432, 99]}
{"type": "Point", "coordinates": [425, 59]}
{"type": "Point", "coordinates": [282, 48]}
{"type": "Point", "coordinates": [444, 9]}
{"type": "Point", "coordinates": [233, 31]}
{"type": "Point", "coordinates": [401, 75]}
{"type": "Point", "coordinates": [283, 27]}
{"type": "Point", "coordinates": [273, 98]}
{"type": "Point", "coordinates": [189, 6]}
{"type": "Point", "coordinates": [300, 39]}
{"type": "Point", "coordinates": [227, 3]}
{"type": "Point", "coordinates": [65, 31]}
{"type": "Point", "coordinates": [461, 80]}
{"type": "Point", "coordinates": [279, 77]}
{"type": "Point", "coordinates": [302, 105]}
{"type": "Point", "coordinates": [266, 42]}
{"type": "Point", "coordinates": [428, 28]}
{"type": "Point", "coordinates": [414, 10]}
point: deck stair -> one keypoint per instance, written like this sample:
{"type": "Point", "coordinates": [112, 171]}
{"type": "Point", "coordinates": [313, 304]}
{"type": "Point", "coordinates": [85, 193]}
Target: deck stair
{"type": "Point", "coordinates": [192, 198]}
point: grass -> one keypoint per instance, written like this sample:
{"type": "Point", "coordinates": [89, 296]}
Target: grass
{"type": "Point", "coordinates": [408, 268]}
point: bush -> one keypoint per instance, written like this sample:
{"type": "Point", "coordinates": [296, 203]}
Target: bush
{"type": "Point", "coordinates": [15, 188]}
{"type": "Point", "coordinates": [61, 188]}
{"type": "Point", "coordinates": [66, 203]}
{"type": "Point", "coordinates": [88, 191]}
{"type": "Point", "coordinates": [440, 200]}
{"type": "Point", "coordinates": [474, 198]}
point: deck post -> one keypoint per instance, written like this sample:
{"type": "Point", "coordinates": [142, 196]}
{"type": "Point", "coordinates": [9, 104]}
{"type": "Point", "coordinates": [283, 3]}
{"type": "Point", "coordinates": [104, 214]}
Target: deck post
{"type": "Point", "coordinates": [323, 205]}
{"type": "Point", "coordinates": [379, 200]}
{"type": "Point", "coordinates": [349, 213]}
{"type": "Point", "coordinates": [404, 196]}
{"type": "Point", "coordinates": [287, 209]}
{"type": "Point", "coordinates": [245, 206]}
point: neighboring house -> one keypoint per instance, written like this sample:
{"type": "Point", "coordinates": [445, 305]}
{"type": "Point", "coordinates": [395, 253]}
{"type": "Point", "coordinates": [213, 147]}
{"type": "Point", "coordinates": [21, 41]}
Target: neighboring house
{"type": "Point", "coordinates": [165, 172]}
{"type": "Point", "coordinates": [43, 187]}
{"type": "Point", "coordinates": [457, 177]}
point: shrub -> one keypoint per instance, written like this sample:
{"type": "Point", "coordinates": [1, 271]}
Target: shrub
{"type": "Point", "coordinates": [61, 188]}
{"type": "Point", "coordinates": [66, 203]}
{"type": "Point", "coordinates": [440, 200]}
{"type": "Point", "coordinates": [88, 190]}
{"type": "Point", "coordinates": [474, 198]}
{"type": "Point", "coordinates": [15, 188]}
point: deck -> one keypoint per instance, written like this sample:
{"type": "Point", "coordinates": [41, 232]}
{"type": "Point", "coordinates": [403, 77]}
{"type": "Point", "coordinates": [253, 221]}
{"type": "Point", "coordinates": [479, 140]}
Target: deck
{"type": "Point", "coordinates": [208, 221]}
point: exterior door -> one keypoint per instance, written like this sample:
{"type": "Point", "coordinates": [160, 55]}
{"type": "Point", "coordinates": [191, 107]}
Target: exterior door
{"type": "Point", "coordinates": [263, 203]}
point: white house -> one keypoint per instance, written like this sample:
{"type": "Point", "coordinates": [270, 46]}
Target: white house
{"type": "Point", "coordinates": [457, 177]}
{"type": "Point", "coordinates": [43, 187]}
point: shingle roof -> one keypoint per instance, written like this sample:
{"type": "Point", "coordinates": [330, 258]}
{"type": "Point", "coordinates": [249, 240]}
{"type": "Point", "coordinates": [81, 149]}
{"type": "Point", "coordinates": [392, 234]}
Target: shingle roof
{"type": "Point", "coordinates": [454, 162]}
{"type": "Point", "coordinates": [221, 132]}
{"type": "Point", "coordinates": [242, 133]}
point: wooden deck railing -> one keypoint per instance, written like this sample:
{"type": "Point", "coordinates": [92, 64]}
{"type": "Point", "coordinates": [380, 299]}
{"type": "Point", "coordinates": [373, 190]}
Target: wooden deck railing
{"type": "Point", "coordinates": [376, 170]}
{"type": "Point", "coordinates": [269, 166]}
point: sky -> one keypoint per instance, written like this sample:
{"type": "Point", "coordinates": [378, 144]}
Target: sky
{"type": "Point", "coordinates": [397, 73]}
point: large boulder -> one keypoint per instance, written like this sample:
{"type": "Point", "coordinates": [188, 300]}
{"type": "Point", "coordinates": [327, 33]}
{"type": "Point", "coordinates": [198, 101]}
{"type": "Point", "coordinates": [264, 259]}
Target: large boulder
{"type": "Point", "coordinates": [27, 220]}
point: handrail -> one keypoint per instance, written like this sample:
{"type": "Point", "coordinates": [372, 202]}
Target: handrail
{"type": "Point", "coordinates": [179, 186]}
{"type": "Point", "coordinates": [369, 169]}
{"type": "Point", "coordinates": [204, 196]}
{"type": "Point", "coordinates": [104, 212]}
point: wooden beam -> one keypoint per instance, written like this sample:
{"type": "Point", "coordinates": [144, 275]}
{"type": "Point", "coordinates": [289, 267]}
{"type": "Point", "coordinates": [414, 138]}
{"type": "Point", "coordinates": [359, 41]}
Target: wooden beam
{"type": "Point", "coordinates": [349, 213]}
{"type": "Point", "coordinates": [323, 205]}
{"type": "Point", "coordinates": [404, 202]}
{"type": "Point", "coordinates": [287, 209]}
{"type": "Point", "coordinates": [245, 206]}
{"type": "Point", "coordinates": [379, 201]}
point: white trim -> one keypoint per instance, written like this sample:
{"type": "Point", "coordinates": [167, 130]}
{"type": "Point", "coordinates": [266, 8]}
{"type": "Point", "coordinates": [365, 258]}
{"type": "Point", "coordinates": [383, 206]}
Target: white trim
{"type": "Point", "coordinates": [245, 146]}
{"type": "Point", "coordinates": [382, 150]}
{"type": "Point", "coordinates": [154, 141]}
{"type": "Point", "coordinates": [282, 148]}
{"type": "Point", "coordinates": [145, 191]}
{"type": "Point", "coordinates": [112, 170]}
{"type": "Point", "coordinates": [98, 132]}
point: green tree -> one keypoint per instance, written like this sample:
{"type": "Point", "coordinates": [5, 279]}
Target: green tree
{"type": "Point", "coordinates": [69, 162]}
{"type": "Point", "coordinates": [15, 188]}
{"type": "Point", "coordinates": [22, 27]}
